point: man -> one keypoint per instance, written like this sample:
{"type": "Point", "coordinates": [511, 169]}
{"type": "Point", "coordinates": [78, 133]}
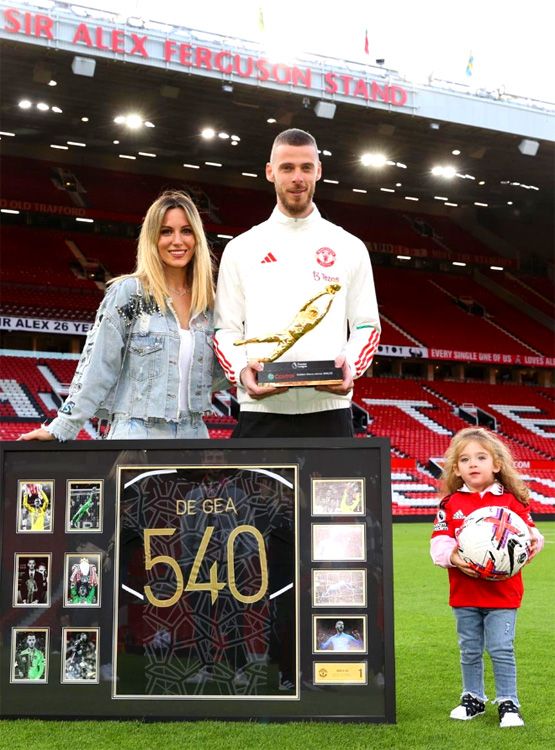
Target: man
{"type": "Point", "coordinates": [30, 661]}
{"type": "Point", "coordinates": [84, 593]}
{"type": "Point", "coordinates": [80, 658]}
{"type": "Point", "coordinates": [83, 582]}
{"type": "Point", "coordinates": [341, 641]}
{"type": "Point", "coordinates": [36, 502]}
{"type": "Point", "coordinates": [268, 277]}
{"type": "Point", "coordinates": [83, 510]}
{"type": "Point", "coordinates": [44, 573]}
{"type": "Point", "coordinates": [32, 585]}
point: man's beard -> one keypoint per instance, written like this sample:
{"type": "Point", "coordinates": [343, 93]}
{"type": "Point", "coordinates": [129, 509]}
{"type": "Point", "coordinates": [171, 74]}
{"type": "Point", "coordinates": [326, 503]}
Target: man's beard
{"type": "Point", "coordinates": [292, 206]}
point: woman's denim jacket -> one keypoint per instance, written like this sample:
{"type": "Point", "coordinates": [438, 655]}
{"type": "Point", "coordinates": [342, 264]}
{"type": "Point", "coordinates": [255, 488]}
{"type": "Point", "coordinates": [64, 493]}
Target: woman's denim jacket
{"type": "Point", "coordinates": [129, 365]}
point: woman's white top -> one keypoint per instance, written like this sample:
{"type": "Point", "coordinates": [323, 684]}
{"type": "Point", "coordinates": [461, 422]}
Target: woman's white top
{"type": "Point", "coordinates": [185, 354]}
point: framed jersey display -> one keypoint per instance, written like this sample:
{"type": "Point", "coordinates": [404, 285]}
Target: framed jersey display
{"type": "Point", "coordinates": [242, 579]}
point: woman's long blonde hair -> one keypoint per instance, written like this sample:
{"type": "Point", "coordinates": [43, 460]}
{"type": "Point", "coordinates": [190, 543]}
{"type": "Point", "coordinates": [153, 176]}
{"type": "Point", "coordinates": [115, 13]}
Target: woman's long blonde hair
{"type": "Point", "coordinates": [150, 269]}
{"type": "Point", "coordinates": [507, 474]}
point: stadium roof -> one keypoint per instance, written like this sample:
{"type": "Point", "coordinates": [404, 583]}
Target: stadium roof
{"type": "Point", "coordinates": [494, 168]}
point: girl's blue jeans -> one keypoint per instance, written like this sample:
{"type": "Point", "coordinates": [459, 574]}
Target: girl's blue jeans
{"type": "Point", "coordinates": [492, 630]}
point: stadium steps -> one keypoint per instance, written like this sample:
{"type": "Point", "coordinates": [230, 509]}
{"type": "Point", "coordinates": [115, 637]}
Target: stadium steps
{"type": "Point", "coordinates": [487, 319]}
{"type": "Point", "coordinates": [401, 330]}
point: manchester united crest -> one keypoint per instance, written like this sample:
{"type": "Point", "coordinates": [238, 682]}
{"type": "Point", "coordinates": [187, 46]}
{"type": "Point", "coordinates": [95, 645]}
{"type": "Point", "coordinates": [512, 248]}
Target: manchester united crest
{"type": "Point", "coordinates": [325, 256]}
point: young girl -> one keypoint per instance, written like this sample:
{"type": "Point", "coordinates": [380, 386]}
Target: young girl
{"type": "Point", "coordinates": [479, 471]}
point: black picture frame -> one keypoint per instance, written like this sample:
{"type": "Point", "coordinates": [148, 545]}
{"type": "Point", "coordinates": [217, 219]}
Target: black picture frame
{"type": "Point", "coordinates": [358, 687]}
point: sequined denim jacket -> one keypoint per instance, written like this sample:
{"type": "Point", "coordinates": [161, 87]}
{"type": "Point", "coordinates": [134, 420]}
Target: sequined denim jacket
{"type": "Point", "coordinates": [129, 364]}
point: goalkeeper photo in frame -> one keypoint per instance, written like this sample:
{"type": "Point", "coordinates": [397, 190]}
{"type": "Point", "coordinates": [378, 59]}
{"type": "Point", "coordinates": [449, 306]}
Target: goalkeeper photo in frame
{"type": "Point", "coordinates": [82, 580]}
{"type": "Point", "coordinates": [29, 655]}
{"type": "Point", "coordinates": [338, 497]}
{"type": "Point", "coordinates": [80, 655]}
{"type": "Point", "coordinates": [35, 509]}
{"type": "Point", "coordinates": [84, 506]}
{"type": "Point", "coordinates": [346, 634]}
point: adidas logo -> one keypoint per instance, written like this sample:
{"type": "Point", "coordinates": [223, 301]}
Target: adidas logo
{"type": "Point", "coordinates": [270, 258]}
{"type": "Point", "coordinates": [458, 514]}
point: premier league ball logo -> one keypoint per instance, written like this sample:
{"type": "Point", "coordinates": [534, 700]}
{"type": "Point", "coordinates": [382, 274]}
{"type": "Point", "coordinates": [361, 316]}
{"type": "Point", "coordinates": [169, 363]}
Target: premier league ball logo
{"type": "Point", "coordinates": [495, 542]}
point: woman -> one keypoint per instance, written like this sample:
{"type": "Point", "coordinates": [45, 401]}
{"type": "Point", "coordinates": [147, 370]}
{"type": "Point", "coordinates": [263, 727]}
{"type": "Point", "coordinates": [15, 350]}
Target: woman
{"type": "Point", "coordinates": [147, 361]}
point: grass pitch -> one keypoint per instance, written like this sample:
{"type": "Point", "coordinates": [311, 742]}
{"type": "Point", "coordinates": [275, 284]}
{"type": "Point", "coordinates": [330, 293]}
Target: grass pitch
{"type": "Point", "coordinates": [427, 671]}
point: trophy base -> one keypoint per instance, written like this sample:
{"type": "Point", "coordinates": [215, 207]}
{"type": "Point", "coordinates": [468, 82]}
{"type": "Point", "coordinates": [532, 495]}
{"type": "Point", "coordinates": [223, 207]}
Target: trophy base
{"type": "Point", "coordinates": [298, 374]}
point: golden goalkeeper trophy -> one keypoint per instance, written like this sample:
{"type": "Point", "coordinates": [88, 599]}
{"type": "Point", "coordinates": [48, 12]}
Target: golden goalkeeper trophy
{"type": "Point", "coordinates": [298, 373]}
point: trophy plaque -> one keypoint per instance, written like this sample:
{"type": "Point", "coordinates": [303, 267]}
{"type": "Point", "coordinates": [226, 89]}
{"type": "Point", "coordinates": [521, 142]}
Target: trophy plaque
{"type": "Point", "coordinates": [298, 372]}
{"type": "Point", "coordinates": [287, 374]}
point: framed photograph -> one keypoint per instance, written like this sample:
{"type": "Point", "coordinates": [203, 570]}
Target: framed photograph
{"type": "Point", "coordinates": [30, 656]}
{"type": "Point", "coordinates": [200, 597]}
{"type": "Point", "coordinates": [80, 655]}
{"type": "Point", "coordinates": [339, 541]}
{"type": "Point", "coordinates": [339, 588]}
{"type": "Point", "coordinates": [338, 633]}
{"type": "Point", "coordinates": [338, 497]}
{"type": "Point", "coordinates": [35, 506]}
{"type": "Point", "coordinates": [84, 506]}
{"type": "Point", "coordinates": [31, 579]}
{"type": "Point", "coordinates": [82, 580]}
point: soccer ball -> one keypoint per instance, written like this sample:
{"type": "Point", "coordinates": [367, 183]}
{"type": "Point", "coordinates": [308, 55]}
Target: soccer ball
{"type": "Point", "coordinates": [495, 542]}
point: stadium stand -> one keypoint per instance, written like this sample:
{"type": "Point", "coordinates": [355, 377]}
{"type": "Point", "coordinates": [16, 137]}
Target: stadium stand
{"type": "Point", "coordinates": [523, 414]}
{"type": "Point", "coordinates": [540, 284]}
{"type": "Point", "coordinates": [24, 254]}
{"type": "Point", "coordinates": [393, 335]}
{"type": "Point", "coordinates": [405, 295]}
{"type": "Point", "coordinates": [497, 312]}
{"type": "Point", "coordinates": [525, 289]}
{"type": "Point", "coordinates": [407, 298]}
{"type": "Point", "coordinates": [419, 417]}
{"type": "Point", "coordinates": [32, 179]}
{"type": "Point", "coordinates": [420, 305]}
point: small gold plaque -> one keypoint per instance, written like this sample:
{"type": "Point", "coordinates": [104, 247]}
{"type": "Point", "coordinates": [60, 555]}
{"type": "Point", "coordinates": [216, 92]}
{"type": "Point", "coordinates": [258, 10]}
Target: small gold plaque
{"type": "Point", "coordinates": [340, 673]}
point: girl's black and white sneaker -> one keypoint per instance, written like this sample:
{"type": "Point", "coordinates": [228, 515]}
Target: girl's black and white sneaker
{"type": "Point", "coordinates": [509, 715]}
{"type": "Point", "coordinates": [469, 708]}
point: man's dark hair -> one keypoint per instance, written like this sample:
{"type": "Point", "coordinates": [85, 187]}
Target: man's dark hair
{"type": "Point", "coordinates": [293, 137]}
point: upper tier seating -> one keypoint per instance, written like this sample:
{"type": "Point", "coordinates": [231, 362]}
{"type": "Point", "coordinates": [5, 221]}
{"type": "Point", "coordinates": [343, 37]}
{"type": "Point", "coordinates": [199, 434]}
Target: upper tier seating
{"type": "Point", "coordinates": [423, 305]}
{"type": "Point", "coordinates": [392, 336]}
{"type": "Point", "coordinates": [511, 319]}
{"type": "Point", "coordinates": [39, 257]}
{"type": "Point", "coordinates": [528, 290]}
{"type": "Point", "coordinates": [121, 195]}
{"type": "Point", "coordinates": [31, 180]}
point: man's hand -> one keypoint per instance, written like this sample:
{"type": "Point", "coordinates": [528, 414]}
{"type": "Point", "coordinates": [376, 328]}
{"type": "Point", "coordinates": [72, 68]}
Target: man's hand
{"type": "Point", "coordinates": [39, 434]}
{"type": "Point", "coordinates": [341, 389]}
{"type": "Point", "coordinates": [463, 566]}
{"type": "Point", "coordinates": [249, 380]}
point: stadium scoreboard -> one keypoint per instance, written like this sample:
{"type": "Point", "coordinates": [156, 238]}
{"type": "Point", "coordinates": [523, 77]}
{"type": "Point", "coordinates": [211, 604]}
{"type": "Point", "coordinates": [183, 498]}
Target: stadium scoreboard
{"type": "Point", "coordinates": [233, 579]}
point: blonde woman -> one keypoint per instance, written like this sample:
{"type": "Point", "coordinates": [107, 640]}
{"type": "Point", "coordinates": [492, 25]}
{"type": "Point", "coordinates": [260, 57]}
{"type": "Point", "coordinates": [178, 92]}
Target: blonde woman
{"type": "Point", "coordinates": [147, 362]}
{"type": "Point", "coordinates": [479, 471]}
